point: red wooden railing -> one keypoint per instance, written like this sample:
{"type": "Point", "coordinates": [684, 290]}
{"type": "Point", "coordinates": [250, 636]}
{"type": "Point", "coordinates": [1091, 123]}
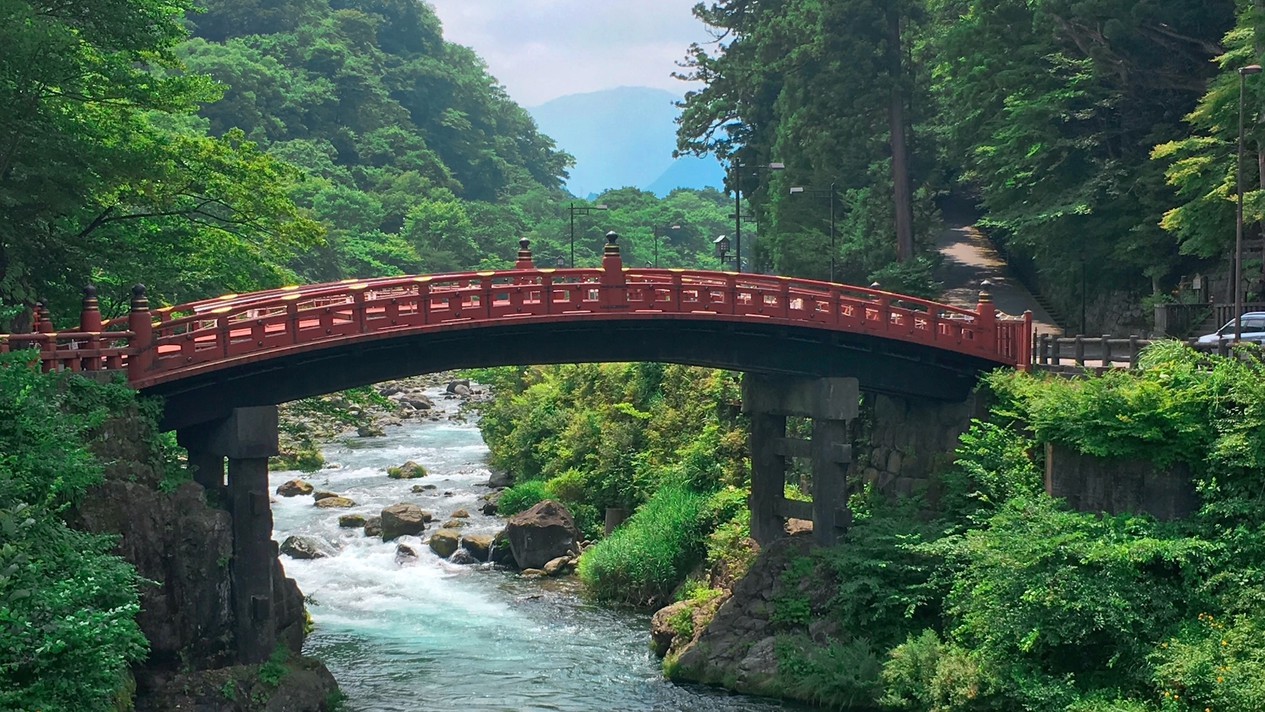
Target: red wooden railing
{"type": "Point", "coordinates": [171, 343]}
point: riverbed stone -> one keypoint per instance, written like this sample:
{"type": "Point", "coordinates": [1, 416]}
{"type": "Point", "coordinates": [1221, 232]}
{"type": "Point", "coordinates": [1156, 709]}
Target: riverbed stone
{"type": "Point", "coordinates": [560, 565]}
{"type": "Point", "coordinates": [408, 471]}
{"type": "Point", "coordinates": [460, 514]}
{"type": "Point", "coordinates": [461, 556]}
{"type": "Point", "coordinates": [373, 526]}
{"type": "Point", "coordinates": [318, 495]}
{"type": "Point", "coordinates": [419, 489]}
{"type": "Point", "coordinates": [404, 552]}
{"type": "Point", "coordinates": [370, 430]}
{"type": "Point", "coordinates": [479, 545]}
{"type": "Point", "coordinates": [302, 547]}
{"type": "Point", "coordinates": [294, 488]}
{"type": "Point", "coordinates": [541, 534]}
{"type": "Point", "coordinates": [444, 542]}
{"type": "Point", "coordinates": [500, 551]}
{"type": "Point", "coordinates": [402, 519]}
{"type": "Point", "coordinates": [352, 521]}
{"type": "Point", "coordinates": [454, 524]}
{"type": "Point", "coordinates": [335, 503]}
{"type": "Point", "coordinates": [663, 626]}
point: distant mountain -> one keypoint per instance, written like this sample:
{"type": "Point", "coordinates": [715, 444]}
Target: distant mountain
{"type": "Point", "coordinates": [623, 137]}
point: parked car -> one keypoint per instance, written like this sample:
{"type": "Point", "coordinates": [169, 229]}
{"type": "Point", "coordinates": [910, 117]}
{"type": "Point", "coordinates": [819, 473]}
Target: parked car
{"type": "Point", "coordinates": [1253, 330]}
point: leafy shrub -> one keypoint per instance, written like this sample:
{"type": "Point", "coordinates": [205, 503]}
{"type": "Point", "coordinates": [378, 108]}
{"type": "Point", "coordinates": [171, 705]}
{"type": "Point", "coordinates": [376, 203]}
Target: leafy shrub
{"type": "Point", "coordinates": [992, 466]}
{"type": "Point", "coordinates": [67, 606]}
{"type": "Point", "coordinates": [522, 496]}
{"type": "Point", "coordinates": [644, 560]}
{"type": "Point", "coordinates": [1046, 597]}
{"type": "Point", "coordinates": [1214, 663]}
{"type": "Point", "coordinates": [840, 675]}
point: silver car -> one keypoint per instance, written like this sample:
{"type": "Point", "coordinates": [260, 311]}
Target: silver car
{"type": "Point", "coordinates": [1253, 329]}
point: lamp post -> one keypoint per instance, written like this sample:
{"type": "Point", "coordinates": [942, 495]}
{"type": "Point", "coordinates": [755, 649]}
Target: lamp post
{"type": "Point", "coordinates": [1238, 218]}
{"type": "Point", "coordinates": [737, 180]}
{"type": "Point", "coordinates": [655, 232]}
{"type": "Point", "coordinates": [830, 194]}
{"type": "Point", "coordinates": [583, 210]}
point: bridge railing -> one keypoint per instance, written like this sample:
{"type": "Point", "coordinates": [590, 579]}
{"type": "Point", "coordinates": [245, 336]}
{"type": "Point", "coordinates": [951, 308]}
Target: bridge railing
{"type": "Point", "coordinates": [154, 346]}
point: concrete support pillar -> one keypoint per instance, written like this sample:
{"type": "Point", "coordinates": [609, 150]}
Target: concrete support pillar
{"type": "Point", "coordinates": [768, 476]}
{"type": "Point", "coordinates": [832, 403]}
{"type": "Point", "coordinates": [247, 438]}
{"type": "Point", "coordinates": [832, 454]}
{"type": "Point", "coordinates": [254, 557]}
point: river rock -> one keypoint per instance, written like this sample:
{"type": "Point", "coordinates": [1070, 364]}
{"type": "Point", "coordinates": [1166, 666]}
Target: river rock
{"type": "Point", "coordinates": [532, 573]}
{"type": "Point", "coordinates": [373, 526]}
{"type": "Point", "coordinates": [352, 521]}
{"type": "Point", "coordinates": [301, 547]}
{"type": "Point", "coordinates": [417, 402]}
{"type": "Point", "coordinates": [479, 545]}
{"type": "Point", "coordinates": [541, 534]}
{"type": "Point", "coordinates": [461, 556]}
{"type": "Point", "coordinates": [389, 390]}
{"type": "Point", "coordinates": [418, 489]}
{"type": "Point", "coordinates": [294, 488]}
{"type": "Point", "coordinates": [444, 542]}
{"type": "Point", "coordinates": [458, 388]}
{"type": "Point", "coordinates": [454, 524]}
{"type": "Point", "coordinates": [370, 430]}
{"type": "Point", "coordinates": [491, 503]}
{"type": "Point", "coordinates": [335, 503]}
{"type": "Point", "coordinates": [499, 480]}
{"type": "Point", "coordinates": [662, 630]}
{"type": "Point", "coordinates": [402, 519]}
{"type": "Point", "coordinates": [560, 565]}
{"type": "Point", "coordinates": [408, 471]}
{"type": "Point", "coordinates": [404, 553]}
{"type": "Point", "coordinates": [460, 514]}
{"type": "Point", "coordinates": [322, 494]}
{"type": "Point", "coordinates": [500, 551]}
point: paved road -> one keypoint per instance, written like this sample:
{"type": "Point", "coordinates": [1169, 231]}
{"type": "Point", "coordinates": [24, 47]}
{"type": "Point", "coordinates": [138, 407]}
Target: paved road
{"type": "Point", "coordinates": [969, 258]}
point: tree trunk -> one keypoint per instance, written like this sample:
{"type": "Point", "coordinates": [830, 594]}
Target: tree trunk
{"type": "Point", "coordinates": [900, 152]}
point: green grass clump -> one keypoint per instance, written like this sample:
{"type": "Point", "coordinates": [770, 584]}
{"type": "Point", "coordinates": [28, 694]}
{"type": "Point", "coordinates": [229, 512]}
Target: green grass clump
{"type": "Point", "coordinates": [522, 496]}
{"type": "Point", "coordinates": [644, 560]}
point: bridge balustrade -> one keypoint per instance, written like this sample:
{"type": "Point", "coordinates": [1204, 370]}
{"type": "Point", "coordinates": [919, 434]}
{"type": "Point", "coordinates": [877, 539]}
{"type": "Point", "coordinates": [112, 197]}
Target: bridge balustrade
{"type": "Point", "coordinates": [166, 343]}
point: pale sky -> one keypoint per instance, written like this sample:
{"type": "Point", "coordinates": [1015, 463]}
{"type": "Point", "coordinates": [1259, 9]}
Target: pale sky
{"type": "Point", "coordinates": [543, 49]}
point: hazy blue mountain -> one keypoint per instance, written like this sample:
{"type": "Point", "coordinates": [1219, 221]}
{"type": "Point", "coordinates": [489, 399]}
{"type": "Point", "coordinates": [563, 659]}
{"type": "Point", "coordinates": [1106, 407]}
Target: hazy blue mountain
{"type": "Point", "coordinates": [623, 137]}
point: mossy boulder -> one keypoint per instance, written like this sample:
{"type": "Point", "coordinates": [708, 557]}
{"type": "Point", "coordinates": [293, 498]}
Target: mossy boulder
{"type": "Point", "coordinates": [294, 488]}
{"type": "Point", "coordinates": [408, 471]}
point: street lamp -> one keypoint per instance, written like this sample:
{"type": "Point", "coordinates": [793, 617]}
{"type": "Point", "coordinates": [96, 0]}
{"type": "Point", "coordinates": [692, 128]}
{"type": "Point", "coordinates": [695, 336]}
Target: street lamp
{"type": "Point", "coordinates": [830, 194]}
{"type": "Point", "coordinates": [583, 210]}
{"type": "Point", "coordinates": [1238, 218]}
{"type": "Point", "coordinates": [737, 174]}
{"type": "Point", "coordinates": [722, 249]}
{"type": "Point", "coordinates": [655, 232]}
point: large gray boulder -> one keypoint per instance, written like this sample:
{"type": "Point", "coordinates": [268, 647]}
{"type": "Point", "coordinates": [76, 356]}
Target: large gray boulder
{"type": "Point", "coordinates": [542, 534]}
{"type": "Point", "coordinates": [402, 519]}
{"type": "Point", "coordinates": [301, 547]}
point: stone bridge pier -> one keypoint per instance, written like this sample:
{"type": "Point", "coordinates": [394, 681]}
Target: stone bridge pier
{"type": "Point", "coordinates": [246, 439]}
{"type": "Point", "coordinates": [831, 403]}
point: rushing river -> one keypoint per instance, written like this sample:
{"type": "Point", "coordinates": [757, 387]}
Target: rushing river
{"type": "Point", "coordinates": [430, 635]}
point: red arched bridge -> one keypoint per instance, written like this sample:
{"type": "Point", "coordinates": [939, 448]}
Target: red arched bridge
{"type": "Point", "coordinates": [211, 356]}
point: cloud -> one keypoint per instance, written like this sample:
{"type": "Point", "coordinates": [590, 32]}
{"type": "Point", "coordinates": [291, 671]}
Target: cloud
{"type": "Point", "coordinates": [543, 49]}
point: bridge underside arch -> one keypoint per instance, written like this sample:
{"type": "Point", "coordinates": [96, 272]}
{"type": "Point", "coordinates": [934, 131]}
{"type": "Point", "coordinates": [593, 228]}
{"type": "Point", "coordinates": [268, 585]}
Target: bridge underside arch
{"type": "Point", "coordinates": [881, 365]}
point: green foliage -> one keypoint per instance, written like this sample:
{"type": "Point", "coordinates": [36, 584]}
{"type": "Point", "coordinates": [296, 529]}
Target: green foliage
{"type": "Point", "coordinates": [1213, 663]}
{"type": "Point", "coordinates": [522, 496]}
{"type": "Point", "coordinates": [652, 552]}
{"type": "Point", "coordinates": [992, 465]}
{"type": "Point", "coordinates": [67, 604]}
{"type": "Point", "coordinates": [838, 675]}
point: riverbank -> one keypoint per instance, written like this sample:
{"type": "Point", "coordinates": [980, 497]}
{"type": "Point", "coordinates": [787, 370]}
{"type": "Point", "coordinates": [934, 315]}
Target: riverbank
{"type": "Point", "coordinates": [403, 631]}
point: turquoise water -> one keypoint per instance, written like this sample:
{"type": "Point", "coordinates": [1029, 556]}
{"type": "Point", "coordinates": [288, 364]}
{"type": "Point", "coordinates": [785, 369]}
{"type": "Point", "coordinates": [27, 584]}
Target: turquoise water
{"type": "Point", "coordinates": [430, 635]}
